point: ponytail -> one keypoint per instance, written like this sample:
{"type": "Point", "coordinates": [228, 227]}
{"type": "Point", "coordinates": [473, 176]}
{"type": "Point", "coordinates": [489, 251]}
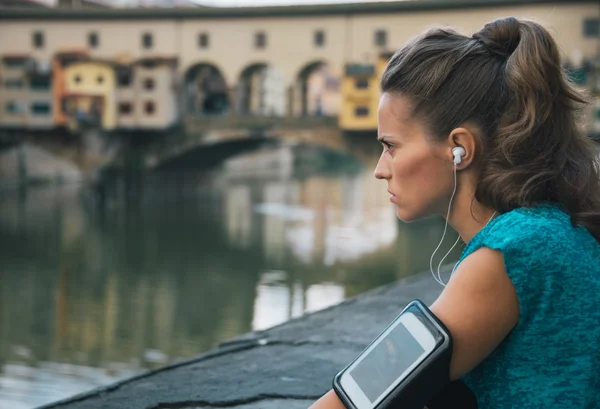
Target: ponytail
{"type": "Point", "coordinates": [539, 153]}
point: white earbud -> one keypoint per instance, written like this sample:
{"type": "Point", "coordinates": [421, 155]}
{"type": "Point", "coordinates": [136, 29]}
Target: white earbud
{"type": "Point", "coordinates": [458, 153]}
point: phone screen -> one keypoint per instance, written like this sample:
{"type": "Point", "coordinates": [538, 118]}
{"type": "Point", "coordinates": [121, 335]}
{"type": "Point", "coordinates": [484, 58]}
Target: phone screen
{"type": "Point", "coordinates": [386, 362]}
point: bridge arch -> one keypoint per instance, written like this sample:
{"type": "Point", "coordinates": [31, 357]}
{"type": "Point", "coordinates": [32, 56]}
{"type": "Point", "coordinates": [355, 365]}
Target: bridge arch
{"type": "Point", "coordinates": [261, 90]}
{"type": "Point", "coordinates": [205, 90]}
{"type": "Point", "coordinates": [317, 90]}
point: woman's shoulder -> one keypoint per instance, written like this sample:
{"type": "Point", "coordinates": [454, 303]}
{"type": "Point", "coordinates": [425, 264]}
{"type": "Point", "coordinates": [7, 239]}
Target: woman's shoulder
{"type": "Point", "coordinates": [543, 231]}
{"type": "Point", "coordinates": [539, 232]}
{"type": "Point", "coordinates": [529, 226]}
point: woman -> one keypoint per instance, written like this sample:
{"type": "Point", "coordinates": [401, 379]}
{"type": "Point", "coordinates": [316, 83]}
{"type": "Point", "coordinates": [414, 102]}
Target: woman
{"type": "Point", "coordinates": [522, 304]}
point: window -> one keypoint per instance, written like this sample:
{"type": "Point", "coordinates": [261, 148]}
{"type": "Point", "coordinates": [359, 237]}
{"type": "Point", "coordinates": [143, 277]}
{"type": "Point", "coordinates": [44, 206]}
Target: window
{"type": "Point", "coordinates": [100, 79]}
{"type": "Point", "coordinates": [203, 40]}
{"type": "Point", "coordinates": [362, 83]}
{"type": "Point", "coordinates": [319, 38]}
{"type": "Point", "coordinates": [38, 39]}
{"type": "Point", "coordinates": [148, 63]}
{"type": "Point", "coordinates": [14, 62]}
{"type": "Point", "coordinates": [150, 108]}
{"type": "Point", "coordinates": [149, 84]}
{"type": "Point", "coordinates": [147, 40]}
{"type": "Point", "coordinates": [124, 78]}
{"type": "Point", "coordinates": [40, 108]}
{"type": "Point", "coordinates": [93, 40]}
{"type": "Point", "coordinates": [14, 83]}
{"type": "Point", "coordinates": [361, 111]}
{"type": "Point", "coordinates": [360, 70]}
{"type": "Point", "coordinates": [591, 27]}
{"type": "Point", "coordinates": [40, 83]}
{"type": "Point", "coordinates": [13, 107]}
{"type": "Point", "coordinates": [260, 40]}
{"type": "Point", "coordinates": [381, 38]}
{"type": "Point", "coordinates": [125, 108]}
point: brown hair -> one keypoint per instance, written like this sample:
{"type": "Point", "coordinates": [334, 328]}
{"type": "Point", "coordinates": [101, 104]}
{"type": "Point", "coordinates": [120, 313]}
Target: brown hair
{"type": "Point", "coordinates": [508, 80]}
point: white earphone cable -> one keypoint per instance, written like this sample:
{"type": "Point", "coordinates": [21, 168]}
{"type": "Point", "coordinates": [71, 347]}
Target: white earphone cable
{"type": "Point", "coordinates": [439, 276]}
{"type": "Point", "coordinates": [439, 280]}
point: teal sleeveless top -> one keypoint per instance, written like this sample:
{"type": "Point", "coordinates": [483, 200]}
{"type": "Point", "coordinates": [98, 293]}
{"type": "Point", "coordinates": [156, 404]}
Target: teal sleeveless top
{"type": "Point", "coordinates": [551, 359]}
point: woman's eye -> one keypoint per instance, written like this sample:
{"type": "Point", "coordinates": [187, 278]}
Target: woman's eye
{"type": "Point", "coordinates": [387, 147]}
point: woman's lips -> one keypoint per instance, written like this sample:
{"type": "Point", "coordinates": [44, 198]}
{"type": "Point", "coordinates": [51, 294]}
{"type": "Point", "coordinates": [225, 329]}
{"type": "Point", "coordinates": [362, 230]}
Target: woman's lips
{"type": "Point", "coordinates": [392, 197]}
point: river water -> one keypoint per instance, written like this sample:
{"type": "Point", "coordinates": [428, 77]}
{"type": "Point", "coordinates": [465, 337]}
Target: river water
{"type": "Point", "coordinates": [99, 287]}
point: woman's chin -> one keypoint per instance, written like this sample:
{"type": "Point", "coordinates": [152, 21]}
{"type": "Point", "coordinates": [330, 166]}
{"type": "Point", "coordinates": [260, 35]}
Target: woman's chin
{"type": "Point", "coordinates": [406, 216]}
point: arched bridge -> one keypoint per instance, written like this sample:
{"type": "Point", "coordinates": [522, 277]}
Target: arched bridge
{"type": "Point", "coordinates": [207, 141]}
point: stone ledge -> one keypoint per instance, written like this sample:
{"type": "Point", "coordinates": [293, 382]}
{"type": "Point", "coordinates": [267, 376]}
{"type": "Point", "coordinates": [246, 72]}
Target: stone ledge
{"type": "Point", "coordinates": [290, 365]}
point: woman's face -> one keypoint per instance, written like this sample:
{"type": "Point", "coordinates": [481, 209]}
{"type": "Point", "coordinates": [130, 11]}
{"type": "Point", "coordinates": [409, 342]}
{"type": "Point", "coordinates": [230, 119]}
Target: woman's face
{"type": "Point", "coordinates": [419, 172]}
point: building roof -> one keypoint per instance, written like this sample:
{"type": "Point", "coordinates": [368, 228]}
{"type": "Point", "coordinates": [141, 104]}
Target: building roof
{"type": "Point", "coordinates": [271, 11]}
{"type": "Point", "coordinates": [68, 52]}
{"type": "Point", "coordinates": [160, 59]}
{"type": "Point", "coordinates": [89, 60]}
{"type": "Point", "coordinates": [128, 61]}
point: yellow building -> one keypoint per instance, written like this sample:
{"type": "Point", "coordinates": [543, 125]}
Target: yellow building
{"type": "Point", "coordinates": [89, 94]}
{"type": "Point", "coordinates": [360, 95]}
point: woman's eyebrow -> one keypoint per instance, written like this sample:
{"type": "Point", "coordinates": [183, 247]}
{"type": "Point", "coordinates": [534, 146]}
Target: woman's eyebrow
{"type": "Point", "coordinates": [382, 138]}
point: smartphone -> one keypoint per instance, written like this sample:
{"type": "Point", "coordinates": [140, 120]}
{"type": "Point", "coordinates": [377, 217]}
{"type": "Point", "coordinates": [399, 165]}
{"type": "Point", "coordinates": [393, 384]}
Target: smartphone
{"type": "Point", "coordinates": [388, 360]}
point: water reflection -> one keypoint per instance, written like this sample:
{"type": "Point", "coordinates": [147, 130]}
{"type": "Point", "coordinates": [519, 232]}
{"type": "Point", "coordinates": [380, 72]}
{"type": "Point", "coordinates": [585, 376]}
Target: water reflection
{"type": "Point", "coordinates": [91, 294]}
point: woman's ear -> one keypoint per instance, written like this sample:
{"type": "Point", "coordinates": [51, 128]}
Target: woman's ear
{"type": "Point", "coordinates": [467, 138]}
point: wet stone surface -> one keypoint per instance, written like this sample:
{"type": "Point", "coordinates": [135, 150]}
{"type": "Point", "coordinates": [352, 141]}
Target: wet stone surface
{"type": "Point", "coordinates": [288, 366]}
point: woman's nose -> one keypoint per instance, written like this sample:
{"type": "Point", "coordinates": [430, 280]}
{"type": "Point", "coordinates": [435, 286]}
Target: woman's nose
{"type": "Point", "coordinates": [382, 170]}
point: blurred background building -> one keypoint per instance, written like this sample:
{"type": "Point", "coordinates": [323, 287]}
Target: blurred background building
{"type": "Point", "coordinates": [169, 61]}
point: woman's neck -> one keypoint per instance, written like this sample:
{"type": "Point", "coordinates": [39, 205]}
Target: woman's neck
{"type": "Point", "coordinates": [468, 217]}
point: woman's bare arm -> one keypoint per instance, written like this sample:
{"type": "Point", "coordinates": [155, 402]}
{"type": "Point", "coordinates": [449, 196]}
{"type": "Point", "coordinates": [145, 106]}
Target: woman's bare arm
{"type": "Point", "coordinates": [328, 401]}
{"type": "Point", "coordinates": [479, 306]}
